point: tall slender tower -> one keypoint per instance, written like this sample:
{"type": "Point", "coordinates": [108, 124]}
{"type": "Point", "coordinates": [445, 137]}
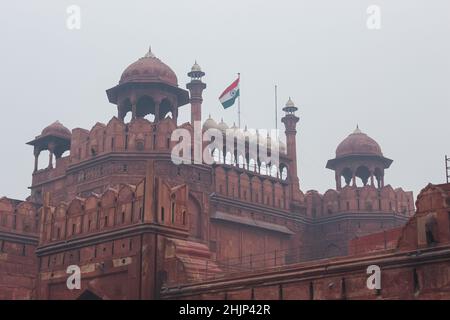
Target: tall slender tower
{"type": "Point", "coordinates": [290, 122]}
{"type": "Point", "coordinates": [196, 87]}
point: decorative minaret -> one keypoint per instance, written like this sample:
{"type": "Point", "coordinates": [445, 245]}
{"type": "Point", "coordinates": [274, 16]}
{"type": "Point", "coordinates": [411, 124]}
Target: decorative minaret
{"type": "Point", "coordinates": [290, 122]}
{"type": "Point", "coordinates": [196, 87]}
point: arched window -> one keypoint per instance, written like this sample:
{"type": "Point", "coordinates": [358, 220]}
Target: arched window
{"type": "Point", "coordinates": [263, 168]}
{"type": "Point", "coordinates": [216, 155]}
{"type": "Point", "coordinates": [274, 171]}
{"type": "Point", "coordinates": [284, 173]}
{"type": "Point", "coordinates": [252, 165]}
{"type": "Point", "coordinates": [173, 213]}
{"type": "Point", "coordinates": [241, 162]}
{"type": "Point", "coordinates": [228, 158]}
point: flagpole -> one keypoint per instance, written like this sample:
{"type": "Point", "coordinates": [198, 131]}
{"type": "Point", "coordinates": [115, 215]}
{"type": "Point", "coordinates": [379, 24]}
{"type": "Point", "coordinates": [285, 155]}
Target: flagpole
{"type": "Point", "coordinates": [276, 109]}
{"type": "Point", "coordinates": [239, 101]}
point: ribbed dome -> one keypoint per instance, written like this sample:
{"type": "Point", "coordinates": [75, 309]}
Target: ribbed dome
{"type": "Point", "coordinates": [358, 143]}
{"type": "Point", "coordinates": [222, 125]}
{"type": "Point", "coordinates": [149, 69]}
{"type": "Point", "coordinates": [56, 128]}
{"type": "Point", "coordinates": [209, 124]}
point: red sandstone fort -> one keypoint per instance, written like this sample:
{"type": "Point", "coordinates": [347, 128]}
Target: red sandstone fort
{"type": "Point", "coordinates": [112, 202]}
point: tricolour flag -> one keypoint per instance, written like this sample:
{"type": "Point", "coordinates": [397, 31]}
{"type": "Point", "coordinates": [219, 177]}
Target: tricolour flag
{"type": "Point", "coordinates": [230, 94]}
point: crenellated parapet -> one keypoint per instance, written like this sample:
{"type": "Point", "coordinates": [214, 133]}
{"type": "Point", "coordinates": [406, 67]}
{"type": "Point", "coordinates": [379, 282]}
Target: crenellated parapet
{"type": "Point", "coordinates": [117, 207]}
{"type": "Point", "coordinates": [19, 232]}
{"type": "Point", "coordinates": [367, 199]}
{"type": "Point", "coordinates": [19, 217]}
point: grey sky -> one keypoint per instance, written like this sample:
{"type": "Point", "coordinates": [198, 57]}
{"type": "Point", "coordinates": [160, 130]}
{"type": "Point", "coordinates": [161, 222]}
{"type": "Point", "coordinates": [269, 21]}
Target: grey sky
{"type": "Point", "coordinates": [393, 82]}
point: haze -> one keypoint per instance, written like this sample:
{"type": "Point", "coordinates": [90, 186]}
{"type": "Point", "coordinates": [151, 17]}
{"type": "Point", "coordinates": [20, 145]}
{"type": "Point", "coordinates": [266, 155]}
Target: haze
{"type": "Point", "coordinates": [393, 82]}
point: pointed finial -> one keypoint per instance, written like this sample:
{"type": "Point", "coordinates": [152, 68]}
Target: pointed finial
{"type": "Point", "coordinates": [149, 54]}
{"type": "Point", "coordinates": [357, 130]}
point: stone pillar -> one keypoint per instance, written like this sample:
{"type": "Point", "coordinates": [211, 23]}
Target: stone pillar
{"type": "Point", "coordinates": [37, 152]}
{"type": "Point", "coordinates": [337, 177]}
{"type": "Point", "coordinates": [51, 150]}
{"type": "Point", "coordinates": [133, 111]}
{"type": "Point", "coordinates": [157, 105]}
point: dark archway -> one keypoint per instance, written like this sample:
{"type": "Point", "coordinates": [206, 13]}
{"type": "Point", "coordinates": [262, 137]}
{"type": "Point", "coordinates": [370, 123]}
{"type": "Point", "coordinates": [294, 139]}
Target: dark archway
{"type": "Point", "coordinates": [144, 106]}
{"type": "Point", "coordinates": [195, 217]}
{"type": "Point", "coordinates": [347, 174]}
{"type": "Point", "coordinates": [363, 173]}
{"type": "Point", "coordinates": [88, 295]}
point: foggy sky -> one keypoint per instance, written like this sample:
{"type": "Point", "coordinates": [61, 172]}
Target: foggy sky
{"type": "Point", "coordinates": [393, 82]}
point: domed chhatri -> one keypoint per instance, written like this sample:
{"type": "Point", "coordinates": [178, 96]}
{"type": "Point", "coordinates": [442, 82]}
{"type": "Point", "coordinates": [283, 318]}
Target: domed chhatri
{"type": "Point", "coordinates": [149, 69]}
{"type": "Point", "coordinates": [359, 156]}
{"type": "Point", "coordinates": [358, 143]}
{"type": "Point", "coordinates": [56, 129]}
{"type": "Point", "coordinates": [148, 86]}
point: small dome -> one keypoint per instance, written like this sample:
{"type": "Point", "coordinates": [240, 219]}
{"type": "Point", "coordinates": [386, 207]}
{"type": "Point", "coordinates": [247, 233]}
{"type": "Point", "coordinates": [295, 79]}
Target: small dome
{"type": "Point", "coordinates": [290, 103]}
{"type": "Point", "coordinates": [290, 106]}
{"type": "Point", "coordinates": [56, 128]}
{"type": "Point", "coordinates": [358, 143]}
{"type": "Point", "coordinates": [149, 69]}
{"type": "Point", "coordinates": [196, 67]}
{"type": "Point", "coordinates": [209, 123]}
{"type": "Point", "coordinates": [222, 125]}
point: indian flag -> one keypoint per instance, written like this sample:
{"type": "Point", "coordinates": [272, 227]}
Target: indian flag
{"type": "Point", "coordinates": [230, 94]}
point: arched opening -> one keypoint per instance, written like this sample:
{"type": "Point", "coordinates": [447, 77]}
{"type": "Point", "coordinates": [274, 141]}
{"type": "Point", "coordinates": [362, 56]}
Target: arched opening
{"type": "Point", "coordinates": [363, 174]}
{"type": "Point", "coordinates": [284, 172]}
{"type": "Point", "coordinates": [195, 217]}
{"type": "Point", "coordinates": [241, 162]}
{"type": "Point", "coordinates": [44, 160]}
{"type": "Point", "coordinates": [274, 171]}
{"type": "Point", "coordinates": [347, 175]}
{"type": "Point", "coordinates": [125, 111]}
{"type": "Point", "coordinates": [88, 295]}
{"type": "Point", "coordinates": [228, 158]}
{"type": "Point", "coordinates": [378, 173]}
{"type": "Point", "coordinates": [144, 106]}
{"type": "Point", "coordinates": [263, 168]}
{"type": "Point", "coordinates": [252, 165]}
{"type": "Point", "coordinates": [165, 109]}
{"type": "Point", "coordinates": [216, 155]}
